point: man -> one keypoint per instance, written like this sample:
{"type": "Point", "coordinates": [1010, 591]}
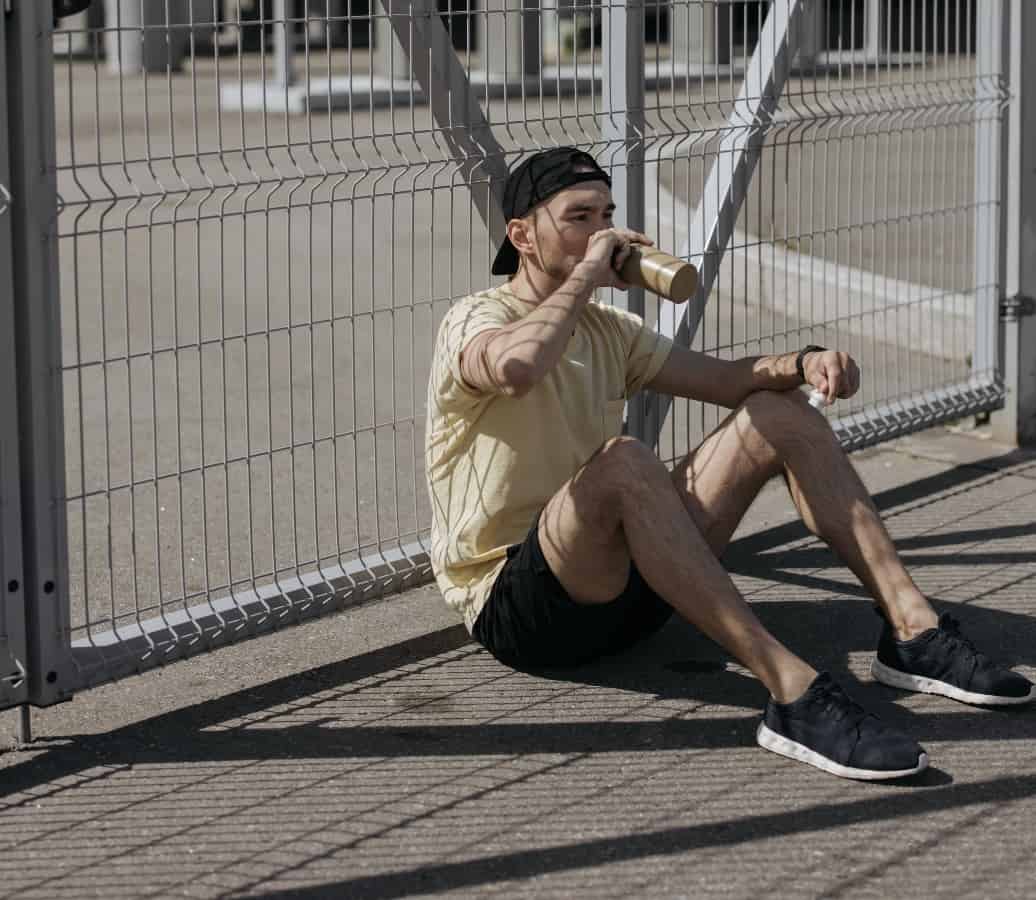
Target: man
{"type": "Point", "coordinates": [559, 540]}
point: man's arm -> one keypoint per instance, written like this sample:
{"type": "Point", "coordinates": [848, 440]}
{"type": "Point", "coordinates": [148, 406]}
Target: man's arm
{"type": "Point", "coordinates": [687, 373]}
{"type": "Point", "coordinates": [513, 359]}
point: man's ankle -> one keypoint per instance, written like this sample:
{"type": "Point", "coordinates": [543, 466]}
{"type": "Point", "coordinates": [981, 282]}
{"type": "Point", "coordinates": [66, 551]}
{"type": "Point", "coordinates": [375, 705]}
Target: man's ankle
{"type": "Point", "coordinates": [793, 683]}
{"type": "Point", "coordinates": [909, 622]}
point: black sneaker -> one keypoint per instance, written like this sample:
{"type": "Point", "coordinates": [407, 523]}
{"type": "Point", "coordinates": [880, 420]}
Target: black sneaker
{"type": "Point", "coordinates": [826, 728]}
{"type": "Point", "coordinates": [942, 661]}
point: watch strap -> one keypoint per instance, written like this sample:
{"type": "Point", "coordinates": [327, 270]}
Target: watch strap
{"type": "Point", "coordinates": [809, 348]}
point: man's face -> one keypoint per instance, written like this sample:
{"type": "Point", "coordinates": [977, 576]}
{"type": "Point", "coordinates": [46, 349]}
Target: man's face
{"type": "Point", "coordinates": [562, 226]}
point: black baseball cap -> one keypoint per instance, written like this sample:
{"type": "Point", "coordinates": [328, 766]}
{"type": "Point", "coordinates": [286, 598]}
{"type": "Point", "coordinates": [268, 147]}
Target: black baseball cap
{"type": "Point", "coordinates": [539, 178]}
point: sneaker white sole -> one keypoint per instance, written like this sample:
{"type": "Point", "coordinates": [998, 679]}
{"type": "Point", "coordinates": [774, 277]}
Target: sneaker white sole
{"type": "Point", "coordinates": [768, 739]}
{"type": "Point", "coordinates": [895, 678]}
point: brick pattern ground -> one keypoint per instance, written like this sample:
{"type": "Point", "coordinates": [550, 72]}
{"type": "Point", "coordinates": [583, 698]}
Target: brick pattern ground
{"type": "Point", "coordinates": [426, 767]}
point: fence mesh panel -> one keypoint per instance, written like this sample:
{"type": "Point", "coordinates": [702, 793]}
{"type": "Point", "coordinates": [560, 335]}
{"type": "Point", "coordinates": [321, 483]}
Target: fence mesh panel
{"type": "Point", "coordinates": [262, 222]}
{"type": "Point", "coordinates": [857, 230]}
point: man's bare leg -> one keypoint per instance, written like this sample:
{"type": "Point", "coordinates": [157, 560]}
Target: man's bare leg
{"type": "Point", "coordinates": [623, 504]}
{"type": "Point", "coordinates": [779, 433]}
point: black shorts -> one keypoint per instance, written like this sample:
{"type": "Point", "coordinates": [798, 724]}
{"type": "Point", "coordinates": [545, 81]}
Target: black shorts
{"type": "Point", "coordinates": [529, 621]}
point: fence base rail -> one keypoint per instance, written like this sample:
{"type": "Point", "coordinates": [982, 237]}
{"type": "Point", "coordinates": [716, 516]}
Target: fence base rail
{"type": "Point", "coordinates": [918, 412]}
{"type": "Point", "coordinates": [177, 634]}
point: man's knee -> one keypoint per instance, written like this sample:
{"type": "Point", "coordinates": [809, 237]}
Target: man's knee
{"type": "Point", "coordinates": [783, 423]}
{"type": "Point", "coordinates": [775, 405]}
{"type": "Point", "coordinates": [787, 412]}
{"type": "Point", "coordinates": [625, 460]}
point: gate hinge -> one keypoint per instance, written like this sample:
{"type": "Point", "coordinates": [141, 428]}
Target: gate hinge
{"type": "Point", "coordinates": [1017, 307]}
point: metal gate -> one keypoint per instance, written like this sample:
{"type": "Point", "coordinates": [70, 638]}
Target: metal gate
{"type": "Point", "coordinates": [250, 217]}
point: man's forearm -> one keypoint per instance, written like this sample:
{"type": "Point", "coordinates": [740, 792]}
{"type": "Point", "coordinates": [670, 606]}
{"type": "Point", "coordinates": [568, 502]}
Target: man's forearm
{"type": "Point", "coordinates": [749, 374]}
{"type": "Point", "coordinates": [725, 382]}
{"type": "Point", "coordinates": [774, 373]}
{"type": "Point", "coordinates": [762, 373]}
{"type": "Point", "coordinates": [535, 344]}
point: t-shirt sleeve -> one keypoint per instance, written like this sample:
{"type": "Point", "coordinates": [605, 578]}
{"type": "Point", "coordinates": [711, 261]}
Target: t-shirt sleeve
{"type": "Point", "coordinates": [646, 349]}
{"type": "Point", "coordinates": [465, 319]}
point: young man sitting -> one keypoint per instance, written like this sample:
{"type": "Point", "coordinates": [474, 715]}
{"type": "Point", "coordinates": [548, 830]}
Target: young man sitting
{"type": "Point", "coordinates": [560, 540]}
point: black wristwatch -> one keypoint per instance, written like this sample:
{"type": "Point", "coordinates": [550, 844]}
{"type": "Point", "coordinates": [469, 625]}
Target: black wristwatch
{"type": "Point", "coordinates": [809, 348]}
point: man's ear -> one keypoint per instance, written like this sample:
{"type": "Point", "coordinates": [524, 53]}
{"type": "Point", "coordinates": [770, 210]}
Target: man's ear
{"type": "Point", "coordinates": [520, 232]}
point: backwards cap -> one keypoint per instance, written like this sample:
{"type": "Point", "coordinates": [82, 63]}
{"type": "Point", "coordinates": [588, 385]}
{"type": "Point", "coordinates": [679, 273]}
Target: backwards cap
{"type": "Point", "coordinates": [537, 179]}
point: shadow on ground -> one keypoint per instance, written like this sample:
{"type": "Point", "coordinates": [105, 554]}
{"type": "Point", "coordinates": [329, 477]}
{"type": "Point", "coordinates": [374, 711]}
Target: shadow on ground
{"type": "Point", "coordinates": [678, 664]}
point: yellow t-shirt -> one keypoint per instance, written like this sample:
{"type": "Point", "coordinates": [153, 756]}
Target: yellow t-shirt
{"type": "Point", "coordinates": [493, 461]}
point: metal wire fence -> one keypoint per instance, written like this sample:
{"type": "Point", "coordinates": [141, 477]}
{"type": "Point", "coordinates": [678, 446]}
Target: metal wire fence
{"type": "Point", "coordinates": [265, 209]}
{"type": "Point", "coordinates": [859, 228]}
{"type": "Point", "coordinates": [12, 620]}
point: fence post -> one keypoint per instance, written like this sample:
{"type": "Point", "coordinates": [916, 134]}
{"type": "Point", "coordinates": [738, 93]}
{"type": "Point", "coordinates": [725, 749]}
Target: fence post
{"type": "Point", "coordinates": [1016, 422]}
{"type": "Point", "coordinates": [692, 33]}
{"type": "Point", "coordinates": [13, 686]}
{"type": "Point", "coordinates": [283, 44]}
{"type": "Point", "coordinates": [990, 76]}
{"type": "Point", "coordinates": [150, 36]}
{"type": "Point", "coordinates": [509, 40]}
{"type": "Point", "coordinates": [389, 58]}
{"type": "Point", "coordinates": [622, 95]}
{"type": "Point", "coordinates": [622, 127]}
{"type": "Point", "coordinates": [37, 340]}
{"type": "Point", "coordinates": [872, 22]}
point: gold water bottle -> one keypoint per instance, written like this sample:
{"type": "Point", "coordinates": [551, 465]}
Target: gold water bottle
{"type": "Point", "coordinates": [659, 272]}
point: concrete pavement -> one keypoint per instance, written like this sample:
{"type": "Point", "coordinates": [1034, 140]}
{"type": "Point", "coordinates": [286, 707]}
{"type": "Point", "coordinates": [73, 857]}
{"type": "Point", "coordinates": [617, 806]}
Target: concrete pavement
{"type": "Point", "coordinates": [380, 754]}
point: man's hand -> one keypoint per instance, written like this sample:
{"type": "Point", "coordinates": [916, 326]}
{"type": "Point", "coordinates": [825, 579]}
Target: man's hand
{"type": "Point", "coordinates": [606, 251]}
{"type": "Point", "coordinates": [832, 372]}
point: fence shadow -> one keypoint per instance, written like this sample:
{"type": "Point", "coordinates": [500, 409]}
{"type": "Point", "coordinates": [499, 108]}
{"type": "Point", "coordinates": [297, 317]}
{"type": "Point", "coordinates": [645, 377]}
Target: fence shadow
{"type": "Point", "coordinates": [676, 663]}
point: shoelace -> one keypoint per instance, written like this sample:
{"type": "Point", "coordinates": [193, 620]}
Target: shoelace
{"type": "Point", "coordinates": [953, 640]}
{"type": "Point", "coordinates": [837, 704]}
